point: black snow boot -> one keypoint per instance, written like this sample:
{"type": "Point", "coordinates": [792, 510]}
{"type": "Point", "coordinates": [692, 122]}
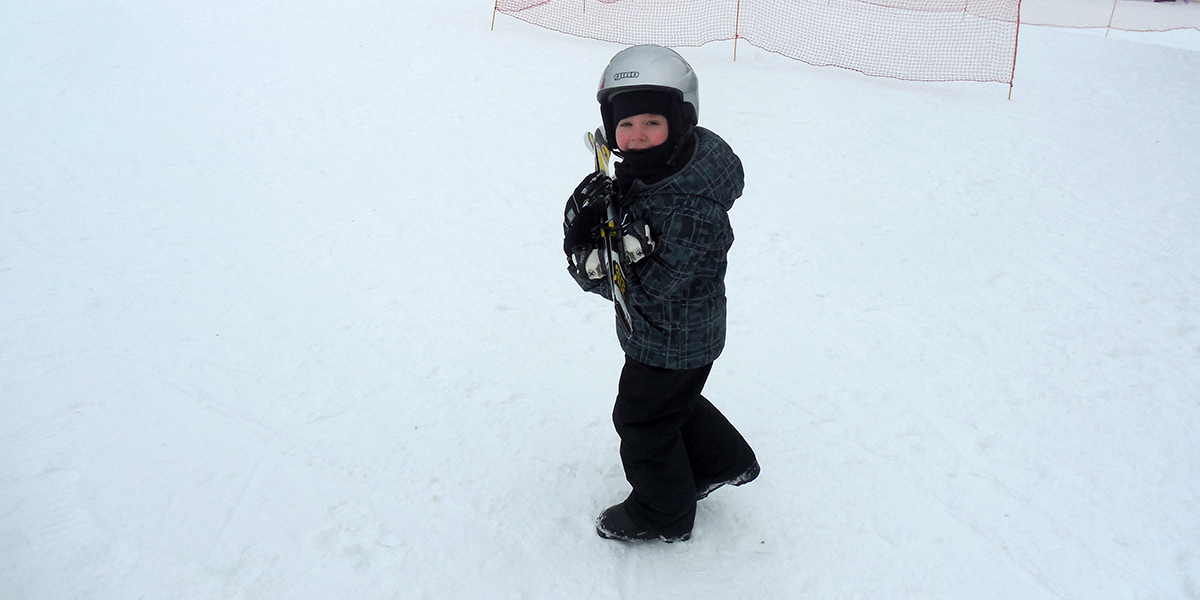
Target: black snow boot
{"type": "Point", "coordinates": [615, 524]}
{"type": "Point", "coordinates": [703, 489]}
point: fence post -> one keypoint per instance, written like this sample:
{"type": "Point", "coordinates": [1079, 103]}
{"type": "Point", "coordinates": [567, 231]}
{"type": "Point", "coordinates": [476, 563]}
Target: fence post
{"type": "Point", "coordinates": [737, 21]}
{"type": "Point", "coordinates": [1016, 41]}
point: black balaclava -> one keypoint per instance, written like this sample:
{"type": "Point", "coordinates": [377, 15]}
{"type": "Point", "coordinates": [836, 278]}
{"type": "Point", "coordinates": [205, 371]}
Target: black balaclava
{"type": "Point", "coordinates": [652, 164]}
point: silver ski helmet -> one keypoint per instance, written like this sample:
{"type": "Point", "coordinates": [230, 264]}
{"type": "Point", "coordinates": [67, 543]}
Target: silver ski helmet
{"type": "Point", "coordinates": [650, 67]}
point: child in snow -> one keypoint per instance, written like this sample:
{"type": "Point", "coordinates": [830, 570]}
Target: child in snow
{"type": "Point", "coordinates": [679, 179]}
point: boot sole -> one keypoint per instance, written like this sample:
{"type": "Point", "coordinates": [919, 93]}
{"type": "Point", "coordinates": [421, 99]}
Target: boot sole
{"type": "Point", "coordinates": [746, 477]}
{"type": "Point", "coordinates": [622, 538]}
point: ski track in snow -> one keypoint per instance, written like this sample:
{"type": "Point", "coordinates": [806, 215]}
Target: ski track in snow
{"type": "Point", "coordinates": [282, 314]}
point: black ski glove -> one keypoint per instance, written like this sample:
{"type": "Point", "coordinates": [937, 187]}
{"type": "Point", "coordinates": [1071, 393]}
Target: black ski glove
{"type": "Point", "coordinates": [586, 209]}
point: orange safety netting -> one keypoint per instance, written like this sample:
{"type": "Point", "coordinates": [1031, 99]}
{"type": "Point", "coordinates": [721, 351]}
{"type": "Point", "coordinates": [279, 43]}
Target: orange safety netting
{"type": "Point", "coordinates": [1127, 15]}
{"type": "Point", "coordinates": [923, 40]}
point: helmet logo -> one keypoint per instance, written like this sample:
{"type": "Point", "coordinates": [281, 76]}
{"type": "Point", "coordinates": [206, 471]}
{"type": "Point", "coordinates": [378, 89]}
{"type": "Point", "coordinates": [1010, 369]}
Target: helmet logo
{"type": "Point", "coordinates": [626, 75]}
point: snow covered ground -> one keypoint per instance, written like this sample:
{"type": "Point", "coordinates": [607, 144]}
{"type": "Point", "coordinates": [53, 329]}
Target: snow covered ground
{"type": "Point", "coordinates": [283, 315]}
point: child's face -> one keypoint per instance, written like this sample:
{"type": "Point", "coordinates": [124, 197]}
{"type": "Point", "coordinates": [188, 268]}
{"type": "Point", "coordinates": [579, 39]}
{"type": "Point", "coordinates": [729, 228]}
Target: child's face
{"type": "Point", "coordinates": [640, 132]}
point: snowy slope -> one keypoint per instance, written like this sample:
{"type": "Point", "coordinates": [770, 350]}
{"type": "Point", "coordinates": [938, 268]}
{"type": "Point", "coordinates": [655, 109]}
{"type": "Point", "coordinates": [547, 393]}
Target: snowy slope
{"type": "Point", "coordinates": [283, 315]}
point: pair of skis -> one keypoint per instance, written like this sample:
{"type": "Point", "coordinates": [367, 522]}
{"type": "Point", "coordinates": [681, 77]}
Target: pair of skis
{"type": "Point", "coordinates": [611, 238]}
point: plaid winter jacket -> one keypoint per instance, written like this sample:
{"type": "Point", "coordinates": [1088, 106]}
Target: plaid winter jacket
{"type": "Point", "coordinates": [677, 295]}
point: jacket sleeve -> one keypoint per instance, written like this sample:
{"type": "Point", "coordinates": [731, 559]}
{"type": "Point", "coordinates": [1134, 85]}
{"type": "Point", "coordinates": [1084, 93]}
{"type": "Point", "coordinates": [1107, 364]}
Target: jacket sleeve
{"type": "Point", "coordinates": [691, 241]}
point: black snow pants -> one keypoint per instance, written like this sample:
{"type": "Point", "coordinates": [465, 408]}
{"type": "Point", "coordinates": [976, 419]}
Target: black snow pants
{"type": "Point", "coordinates": [673, 442]}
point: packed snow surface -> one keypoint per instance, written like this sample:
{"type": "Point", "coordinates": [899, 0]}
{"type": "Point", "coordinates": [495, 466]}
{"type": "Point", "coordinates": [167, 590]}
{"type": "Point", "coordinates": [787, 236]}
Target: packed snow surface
{"type": "Point", "coordinates": [284, 314]}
